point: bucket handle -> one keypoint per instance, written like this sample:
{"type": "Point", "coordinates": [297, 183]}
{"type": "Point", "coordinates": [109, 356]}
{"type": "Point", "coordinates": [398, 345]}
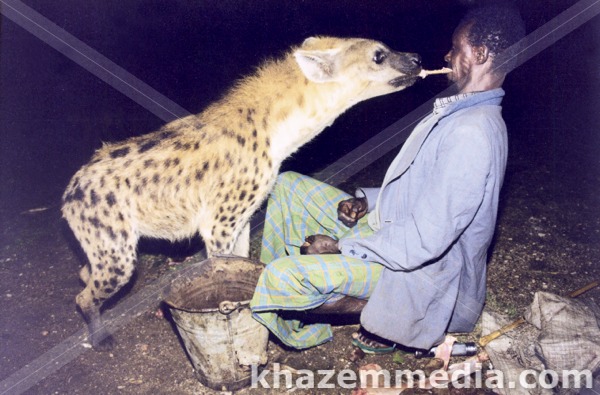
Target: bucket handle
{"type": "Point", "coordinates": [227, 307]}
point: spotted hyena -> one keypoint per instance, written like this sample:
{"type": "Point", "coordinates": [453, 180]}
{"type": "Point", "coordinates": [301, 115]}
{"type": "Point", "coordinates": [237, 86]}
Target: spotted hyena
{"type": "Point", "coordinates": [208, 173]}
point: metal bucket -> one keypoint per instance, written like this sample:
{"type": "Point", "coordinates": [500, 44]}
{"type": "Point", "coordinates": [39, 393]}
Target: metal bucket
{"type": "Point", "coordinates": [210, 306]}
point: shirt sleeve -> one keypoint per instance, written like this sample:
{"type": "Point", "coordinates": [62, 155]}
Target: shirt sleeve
{"type": "Point", "coordinates": [371, 194]}
{"type": "Point", "coordinates": [451, 196]}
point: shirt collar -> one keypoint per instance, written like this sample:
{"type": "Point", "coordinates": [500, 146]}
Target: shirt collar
{"type": "Point", "coordinates": [450, 104]}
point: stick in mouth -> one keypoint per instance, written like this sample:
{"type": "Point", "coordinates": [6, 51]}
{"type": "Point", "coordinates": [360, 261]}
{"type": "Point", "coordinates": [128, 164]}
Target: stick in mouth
{"type": "Point", "coordinates": [425, 73]}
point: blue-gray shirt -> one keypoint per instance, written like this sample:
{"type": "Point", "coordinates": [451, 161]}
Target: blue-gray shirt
{"type": "Point", "coordinates": [435, 224]}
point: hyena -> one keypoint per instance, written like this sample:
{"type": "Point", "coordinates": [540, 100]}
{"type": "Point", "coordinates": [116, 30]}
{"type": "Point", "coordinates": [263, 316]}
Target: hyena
{"type": "Point", "coordinates": [207, 174]}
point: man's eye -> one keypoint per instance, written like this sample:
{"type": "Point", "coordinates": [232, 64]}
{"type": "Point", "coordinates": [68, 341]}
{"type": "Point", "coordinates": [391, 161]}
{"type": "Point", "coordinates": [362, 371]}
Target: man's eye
{"type": "Point", "coordinates": [379, 57]}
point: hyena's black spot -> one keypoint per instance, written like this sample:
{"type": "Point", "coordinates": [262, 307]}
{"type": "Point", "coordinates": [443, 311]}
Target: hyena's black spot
{"type": "Point", "coordinates": [137, 190]}
{"type": "Point", "coordinates": [113, 280]}
{"type": "Point", "coordinates": [232, 218]}
{"type": "Point", "coordinates": [223, 218]}
{"type": "Point", "coordinates": [170, 180]}
{"type": "Point", "coordinates": [227, 132]}
{"type": "Point", "coordinates": [254, 133]}
{"type": "Point", "coordinates": [217, 164]}
{"type": "Point", "coordinates": [144, 181]}
{"type": "Point", "coordinates": [93, 197]}
{"type": "Point", "coordinates": [229, 159]}
{"type": "Point", "coordinates": [218, 244]}
{"type": "Point", "coordinates": [102, 182]}
{"type": "Point", "coordinates": [77, 194]}
{"type": "Point", "coordinates": [245, 170]}
{"type": "Point", "coordinates": [148, 163]}
{"type": "Point", "coordinates": [127, 163]}
{"type": "Point", "coordinates": [119, 152]}
{"type": "Point", "coordinates": [183, 147]}
{"type": "Point", "coordinates": [124, 234]}
{"type": "Point", "coordinates": [251, 197]}
{"type": "Point", "coordinates": [108, 290]}
{"type": "Point", "coordinates": [199, 175]}
{"type": "Point", "coordinates": [187, 181]}
{"type": "Point", "coordinates": [148, 145]}
{"type": "Point", "coordinates": [167, 163]}
{"type": "Point", "coordinates": [111, 199]}
{"type": "Point", "coordinates": [241, 110]}
{"type": "Point", "coordinates": [156, 178]}
{"type": "Point", "coordinates": [226, 198]}
{"type": "Point", "coordinates": [254, 146]}
{"type": "Point", "coordinates": [166, 134]}
{"type": "Point", "coordinates": [120, 217]}
{"type": "Point", "coordinates": [119, 272]}
{"type": "Point", "coordinates": [176, 161]}
{"type": "Point", "coordinates": [95, 222]}
{"type": "Point", "coordinates": [111, 233]}
{"type": "Point", "coordinates": [128, 183]}
{"type": "Point", "coordinates": [254, 186]}
{"type": "Point", "coordinates": [96, 283]}
{"type": "Point", "coordinates": [224, 233]}
{"type": "Point", "coordinates": [268, 142]}
{"type": "Point", "coordinates": [205, 166]}
{"type": "Point", "coordinates": [241, 140]}
{"type": "Point", "coordinates": [196, 146]}
{"type": "Point", "coordinates": [105, 212]}
{"type": "Point", "coordinates": [99, 266]}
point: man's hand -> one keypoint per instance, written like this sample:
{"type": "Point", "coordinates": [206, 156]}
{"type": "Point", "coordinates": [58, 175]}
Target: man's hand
{"type": "Point", "coordinates": [319, 244]}
{"type": "Point", "coordinates": [351, 210]}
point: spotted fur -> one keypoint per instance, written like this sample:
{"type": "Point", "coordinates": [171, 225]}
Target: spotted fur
{"type": "Point", "coordinates": [208, 173]}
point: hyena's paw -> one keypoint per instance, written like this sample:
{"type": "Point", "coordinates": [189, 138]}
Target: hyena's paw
{"type": "Point", "coordinates": [105, 344]}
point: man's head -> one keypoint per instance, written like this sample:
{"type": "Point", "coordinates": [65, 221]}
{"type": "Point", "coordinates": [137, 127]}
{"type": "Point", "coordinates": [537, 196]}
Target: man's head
{"type": "Point", "coordinates": [482, 35]}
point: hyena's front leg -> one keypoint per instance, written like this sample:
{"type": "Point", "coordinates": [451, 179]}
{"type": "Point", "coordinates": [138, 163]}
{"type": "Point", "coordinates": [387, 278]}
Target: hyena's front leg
{"type": "Point", "coordinates": [242, 244]}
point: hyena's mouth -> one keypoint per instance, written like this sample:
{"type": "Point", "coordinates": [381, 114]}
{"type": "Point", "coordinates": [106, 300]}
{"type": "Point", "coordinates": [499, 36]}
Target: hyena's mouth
{"type": "Point", "coordinates": [405, 80]}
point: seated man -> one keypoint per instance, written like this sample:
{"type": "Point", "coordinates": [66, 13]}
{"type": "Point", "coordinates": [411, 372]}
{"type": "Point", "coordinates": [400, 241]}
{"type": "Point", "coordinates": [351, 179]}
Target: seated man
{"type": "Point", "coordinates": [419, 256]}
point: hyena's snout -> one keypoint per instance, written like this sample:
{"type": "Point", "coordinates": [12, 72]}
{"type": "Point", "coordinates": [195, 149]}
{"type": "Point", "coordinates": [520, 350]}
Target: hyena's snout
{"type": "Point", "coordinates": [406, 62]}
{"type": "Point", "coordinates": [407, 66]}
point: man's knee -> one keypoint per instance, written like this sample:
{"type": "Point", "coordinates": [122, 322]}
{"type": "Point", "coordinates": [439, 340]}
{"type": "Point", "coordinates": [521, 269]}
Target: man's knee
{"type": "Point", "coordinates": [282, 270]}
{"type": "Point", "coordinates": [286, 179]}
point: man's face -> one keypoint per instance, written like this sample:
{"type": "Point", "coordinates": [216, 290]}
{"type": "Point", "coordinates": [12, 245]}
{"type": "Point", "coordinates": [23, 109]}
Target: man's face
{"type": "Point", "coordinates": [461, 58]}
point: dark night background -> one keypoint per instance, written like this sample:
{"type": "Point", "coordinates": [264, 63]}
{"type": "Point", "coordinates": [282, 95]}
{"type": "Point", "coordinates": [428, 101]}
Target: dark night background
{"type": "Point", "coordinates": [54, 114]}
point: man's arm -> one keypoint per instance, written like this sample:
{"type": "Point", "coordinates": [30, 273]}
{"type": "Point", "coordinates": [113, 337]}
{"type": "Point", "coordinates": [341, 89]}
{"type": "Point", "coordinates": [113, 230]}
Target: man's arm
{"type": "Point", "coordinates": [450, 198]}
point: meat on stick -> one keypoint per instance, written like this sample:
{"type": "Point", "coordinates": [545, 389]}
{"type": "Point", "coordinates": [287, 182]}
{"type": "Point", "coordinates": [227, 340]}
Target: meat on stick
{"type": "Point", "coordinates": [443, 70]}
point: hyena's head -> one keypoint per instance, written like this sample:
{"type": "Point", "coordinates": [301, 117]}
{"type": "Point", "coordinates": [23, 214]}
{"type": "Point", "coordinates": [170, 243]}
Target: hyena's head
{"type": "Point", "coordinates": [367, 68]}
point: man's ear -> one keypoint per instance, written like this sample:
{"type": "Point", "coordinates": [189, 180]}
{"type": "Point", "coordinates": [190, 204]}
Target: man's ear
{"type": "Point", "coordinates": [482, 53]}
{"type": "Point", "coordinates": [317, 66]}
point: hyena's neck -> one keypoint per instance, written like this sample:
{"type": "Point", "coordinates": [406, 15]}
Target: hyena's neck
{"type": "Point", "coordinates": [285, 107]}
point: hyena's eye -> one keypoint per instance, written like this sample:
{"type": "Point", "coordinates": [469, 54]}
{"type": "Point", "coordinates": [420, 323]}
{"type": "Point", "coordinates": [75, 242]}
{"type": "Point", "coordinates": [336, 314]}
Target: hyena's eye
{"type": "Point", "coordinates": [379, 56]}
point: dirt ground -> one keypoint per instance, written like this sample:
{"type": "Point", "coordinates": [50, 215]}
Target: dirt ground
{"type": "Point", "coordinates": [547, 239]}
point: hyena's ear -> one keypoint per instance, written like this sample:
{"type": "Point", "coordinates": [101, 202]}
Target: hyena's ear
{"type": "Point", "coordinates": [317, 66]}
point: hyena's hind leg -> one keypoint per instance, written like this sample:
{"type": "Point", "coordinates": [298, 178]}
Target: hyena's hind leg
{"type": "Point", "coordinates": [111, 267]}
